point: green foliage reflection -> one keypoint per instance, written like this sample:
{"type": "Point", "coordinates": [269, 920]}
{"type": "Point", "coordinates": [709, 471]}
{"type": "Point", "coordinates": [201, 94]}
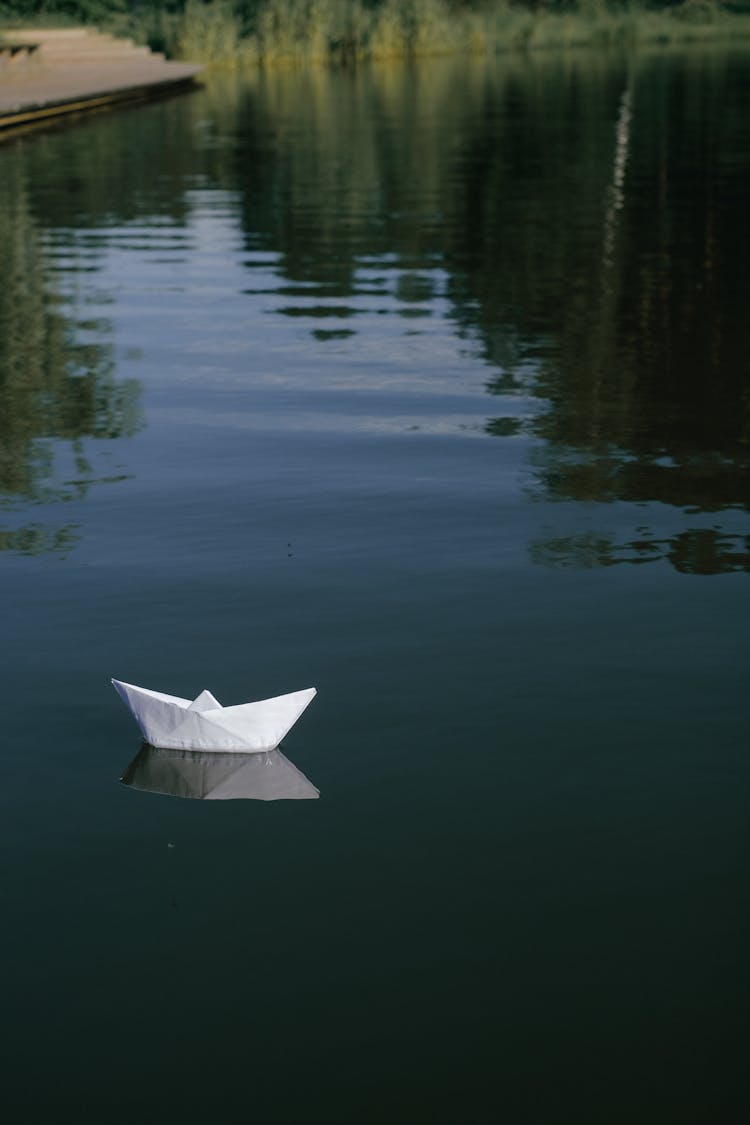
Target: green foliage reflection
{"type": "Point", "coordinates": [583, 220]}
{"type": "Point", "coordinates": [52, 387]}
{"type": "Point", "coordinates": [591, 218]}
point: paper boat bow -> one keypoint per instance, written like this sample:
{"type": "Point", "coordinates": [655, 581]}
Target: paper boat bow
{"type": "Point", "coordinates": [203, 724]}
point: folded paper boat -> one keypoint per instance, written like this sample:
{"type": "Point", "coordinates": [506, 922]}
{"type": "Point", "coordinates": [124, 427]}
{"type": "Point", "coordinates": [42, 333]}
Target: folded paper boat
{"type": "Point", "coordinates": [203, 724]}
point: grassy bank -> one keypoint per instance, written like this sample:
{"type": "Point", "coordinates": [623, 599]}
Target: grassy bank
{"type": "Point", "coordinates": [295, 31]}
{"type": "Point", "coordinates": [267, 32]}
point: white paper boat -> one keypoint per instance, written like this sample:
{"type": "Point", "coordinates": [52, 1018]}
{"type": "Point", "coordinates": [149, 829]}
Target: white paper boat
{"type": "Point", "coordinates": [203, 724]}
{"type": "Point", "coordinates": [216, 776]}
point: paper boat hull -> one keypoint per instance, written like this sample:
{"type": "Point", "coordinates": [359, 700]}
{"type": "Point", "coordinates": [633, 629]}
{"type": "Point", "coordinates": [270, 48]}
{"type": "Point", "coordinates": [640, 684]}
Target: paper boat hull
{"type": "Point", "coordinates": [182, 724]}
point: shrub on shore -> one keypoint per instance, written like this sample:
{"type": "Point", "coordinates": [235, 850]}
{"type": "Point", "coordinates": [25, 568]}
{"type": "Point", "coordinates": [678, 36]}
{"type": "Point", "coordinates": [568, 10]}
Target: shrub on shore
{"type": "Point", "coordinates": [242, 32]}
{"type": "Point", "coordinates": [294, 31]}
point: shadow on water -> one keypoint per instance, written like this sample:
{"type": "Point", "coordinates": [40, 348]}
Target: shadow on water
{"type": "Point", "coordinates": [215, 776]}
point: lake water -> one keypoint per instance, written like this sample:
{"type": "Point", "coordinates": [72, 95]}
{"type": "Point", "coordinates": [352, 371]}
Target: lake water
{"type": "Point", "coordinates": [428, 387]}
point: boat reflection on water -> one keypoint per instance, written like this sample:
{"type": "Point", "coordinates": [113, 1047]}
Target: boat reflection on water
{"type": "Point", "coordinates": [215, 776]}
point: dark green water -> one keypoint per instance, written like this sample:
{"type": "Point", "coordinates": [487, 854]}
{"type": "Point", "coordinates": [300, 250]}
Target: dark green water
{"type": "Point", "coordinates": [428, 388]}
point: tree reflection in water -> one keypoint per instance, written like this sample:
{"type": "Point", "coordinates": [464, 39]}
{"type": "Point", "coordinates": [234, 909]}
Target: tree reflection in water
{"type": "Point", "coordinates": [642, 394]}
{"type": "Point", "coordinates": [590, 217]}
{"type": "Point", "coordinates": [53, 388]}
{"type": "Point", "coordinates": [699, 551]}
{"type": "Point", "coordinates": [583, 219]}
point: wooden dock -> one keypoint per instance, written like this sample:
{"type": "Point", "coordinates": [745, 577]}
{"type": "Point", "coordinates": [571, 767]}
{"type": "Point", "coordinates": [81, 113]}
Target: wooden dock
{"type": "Point", "coordinates": [46, 74]}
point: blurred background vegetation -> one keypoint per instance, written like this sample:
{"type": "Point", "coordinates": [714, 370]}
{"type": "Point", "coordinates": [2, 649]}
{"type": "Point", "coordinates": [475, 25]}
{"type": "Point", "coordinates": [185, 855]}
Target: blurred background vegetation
{"type": "Point", "coordinates": [246, 31]}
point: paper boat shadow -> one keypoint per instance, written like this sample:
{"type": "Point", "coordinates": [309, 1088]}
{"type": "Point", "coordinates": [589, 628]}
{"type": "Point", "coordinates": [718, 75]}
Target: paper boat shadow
{"type": "Point", "coordinates": [214, 776]}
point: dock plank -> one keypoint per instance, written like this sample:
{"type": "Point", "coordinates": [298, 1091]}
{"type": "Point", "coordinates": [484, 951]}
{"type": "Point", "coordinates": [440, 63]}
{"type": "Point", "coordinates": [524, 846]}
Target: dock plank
{"type": "Point", "coordinates": [76, 70]}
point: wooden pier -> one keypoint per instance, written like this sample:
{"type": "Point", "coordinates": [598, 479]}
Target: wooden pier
{"type": "Point", "coordinates": [46, 74]}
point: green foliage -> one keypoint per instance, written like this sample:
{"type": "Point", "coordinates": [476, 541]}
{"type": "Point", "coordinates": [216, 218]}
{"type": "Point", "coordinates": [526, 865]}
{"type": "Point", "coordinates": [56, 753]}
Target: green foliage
{"type": "Point", "coordinates": [62, 11]}
{"type": "Point", "coordinates": [238, 32]}
{"type": "Point", "coordinates": [208, 31]}
{"type": "Point", "coordinates": [278, 31]}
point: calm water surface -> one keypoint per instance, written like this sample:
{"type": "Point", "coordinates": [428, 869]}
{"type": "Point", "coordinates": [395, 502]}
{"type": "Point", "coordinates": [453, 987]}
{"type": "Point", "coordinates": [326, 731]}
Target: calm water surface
{"type": "Point", "coordinates": [428, 387]}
